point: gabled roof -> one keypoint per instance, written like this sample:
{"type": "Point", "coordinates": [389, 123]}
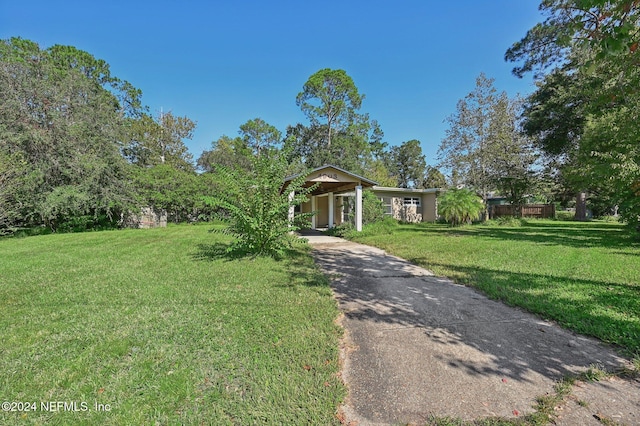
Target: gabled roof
{"type": "Point", "coordinates": [406, 190]}
{"type": "Point", "coordinates": [326, 166]}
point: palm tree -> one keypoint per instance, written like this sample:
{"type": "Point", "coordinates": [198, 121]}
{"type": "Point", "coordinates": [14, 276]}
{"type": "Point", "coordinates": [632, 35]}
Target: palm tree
{"type": "Point", "coordinates": [459, 206]}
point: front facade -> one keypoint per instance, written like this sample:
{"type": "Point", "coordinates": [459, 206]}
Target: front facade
{"type": "Point", "coordinates": [339, 198]}
{"type": "Point", "coordinates": [409, 205]}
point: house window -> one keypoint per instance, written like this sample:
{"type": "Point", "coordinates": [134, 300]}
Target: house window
{"type": "Point", "coordinates": [412, 201]}
{"type": "Point", "coordinates": [387, 203]}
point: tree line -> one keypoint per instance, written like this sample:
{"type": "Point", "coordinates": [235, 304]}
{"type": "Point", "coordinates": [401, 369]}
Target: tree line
{"type": "Point", "coordinates": [574, 140]}
{"type": "Point", "coordinates": [79, 150]}
{"type": "Point", "coordinates": [583, 114]}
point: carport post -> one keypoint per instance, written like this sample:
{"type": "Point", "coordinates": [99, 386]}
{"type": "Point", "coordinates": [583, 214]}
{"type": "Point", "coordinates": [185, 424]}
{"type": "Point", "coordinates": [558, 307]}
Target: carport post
{"type": "Point", "coordinates": [331, 210]}
{"type": "Point", "coordinates": [359, 208]}
{"type": "Point", "coordinates": [313, 210]}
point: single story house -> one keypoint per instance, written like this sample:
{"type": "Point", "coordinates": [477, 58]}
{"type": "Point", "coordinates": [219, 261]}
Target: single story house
{"type": "Point", "coordinates": [339, 195]}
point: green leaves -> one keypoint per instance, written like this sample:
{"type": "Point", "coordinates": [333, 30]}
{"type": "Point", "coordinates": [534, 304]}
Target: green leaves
{"type": "Point", "coordinates": [257, 205]}
{"type": "Point", "coordinates": [260, 135]}
{"type": "Point", "coordinates": [65, 202]}
{"type": "Point", "coordinates": [153, 141]}
{"type": "Point", "coordinates": [63, 113]}
{"type": "Point", "coordinates": [408, 164]}
{"type": "Point", "coordinates": [460, 206]}
{"type": "Point", "coordinates": [484, 145]}
{"type": "Point", "coordinates": [603, 27]}
{"type": "Point", "coordinates": [12, 172]}
{"type": "Point", "coordinates": [330, 95]}
{"type": "Point", "coordinates": [583, 114]}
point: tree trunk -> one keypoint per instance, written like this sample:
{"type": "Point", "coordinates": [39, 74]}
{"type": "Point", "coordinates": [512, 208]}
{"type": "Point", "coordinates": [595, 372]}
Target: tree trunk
{"type": "Point", "coordinates": [581, 206]}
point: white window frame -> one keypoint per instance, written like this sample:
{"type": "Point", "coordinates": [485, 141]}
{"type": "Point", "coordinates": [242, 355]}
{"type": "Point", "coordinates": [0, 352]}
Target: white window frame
{"type": "Point", "coordinates": [412, 201]}
{"type": "Point", "coordinates": [387, 203]}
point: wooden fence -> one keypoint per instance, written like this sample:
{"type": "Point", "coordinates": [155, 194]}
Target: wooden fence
{"type": "Point", "coordinates": [528, 210]}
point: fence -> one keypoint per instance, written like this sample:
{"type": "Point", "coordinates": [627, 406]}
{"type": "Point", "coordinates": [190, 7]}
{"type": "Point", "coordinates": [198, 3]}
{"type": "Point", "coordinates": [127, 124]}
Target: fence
{"type": "Point", "coordinates": [528, 210]}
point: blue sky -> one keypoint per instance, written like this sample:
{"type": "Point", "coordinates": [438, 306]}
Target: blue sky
{"type": "Point", "coordinates": [222, 63]}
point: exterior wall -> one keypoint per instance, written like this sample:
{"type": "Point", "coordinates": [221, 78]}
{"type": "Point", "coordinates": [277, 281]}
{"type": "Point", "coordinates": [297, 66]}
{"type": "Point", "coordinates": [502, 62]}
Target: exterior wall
{"type": "Point", "coordinates": [322, 218]}
{"type": "Point", "coordinates": [305, 207]}
{"type": "Point", "coordinates": [425, 212]}
{"type": "Point", "coordinates": [330, 174]}
{"type": "Point", "coordinates": [407, 213]}
{"type": "Point", "coordinates": [400, 211]}
{"type": "Point", "coordinates": [429, 207]}
{"type": "Point", "coordinates": [322, 205]}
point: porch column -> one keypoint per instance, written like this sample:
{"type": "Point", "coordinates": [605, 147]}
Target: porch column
{"type": "Point", "coordinates": [359, 208]}
{"type": "Point", "coordinates": [330, 210]}
{"type": "Point", "coordinates": [292, 209]}
{"type": "Point", "coordinates": [313, 209]}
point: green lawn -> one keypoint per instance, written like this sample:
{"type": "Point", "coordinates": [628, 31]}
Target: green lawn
{"type": "Point", "coordinates": [585, 276]}
{"type": "Point", "coordinates": [157, 327]}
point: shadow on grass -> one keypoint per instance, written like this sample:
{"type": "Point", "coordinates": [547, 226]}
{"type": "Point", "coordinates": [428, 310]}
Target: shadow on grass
{"type": "Point", "coordinates": [570, 234]}
{"type": "Point", "coordinates": [606, 310]}
{"type": "Point", "coordinates": [456, 316]}
{"type": "Point", "coordinates": [218, 251]}
{"type": "Point", "coordinates": [295, 262]}
{"type": "Point", "coordinates": [302, 271]}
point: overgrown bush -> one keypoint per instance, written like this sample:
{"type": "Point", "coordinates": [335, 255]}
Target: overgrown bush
{"type": "Point", "coordinates": [610, 219]}
{"type": "Point", "coordinates": [388, 225]}
{"type": "Point", "coordinates": [12, 168]}
{"type": "Point", "coordinates": [87, 223]}
{"type": "Point", "coordinates": [342, 230]}
{"type": "Point", "coordinates": [257, 206]}
{"type": "Point", "coordinates": [372, 208]}
{"type": "Point", "coordinates": [63, 204]}
{"type": "Point", "coordinates": [565, 215]}
{"type": "Point", "coordinates": [506, 221]}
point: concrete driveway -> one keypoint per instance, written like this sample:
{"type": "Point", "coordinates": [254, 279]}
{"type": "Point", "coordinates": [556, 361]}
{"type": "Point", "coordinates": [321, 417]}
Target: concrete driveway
{"type": "Point", "coordinates": [417, 345]}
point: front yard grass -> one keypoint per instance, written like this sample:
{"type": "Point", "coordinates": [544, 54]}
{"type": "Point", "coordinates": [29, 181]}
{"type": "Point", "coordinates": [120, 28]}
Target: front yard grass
{"type": "Point", "coordinates": [585, 276]}
{"type": "Point", "coordinates": [161, 329]}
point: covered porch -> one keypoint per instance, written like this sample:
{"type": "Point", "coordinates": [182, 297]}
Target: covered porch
{"type": "Point", "coordinates": [328, 200]}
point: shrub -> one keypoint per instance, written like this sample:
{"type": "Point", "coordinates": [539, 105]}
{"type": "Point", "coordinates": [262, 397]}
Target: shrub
{"type": "Point", "coordinates": [565, 215]}
{"type": "Point", "coordinates": [506, 221]}
{"type": "Point", "coordinates": [64, 203]}
{"type": "Point", "coordinates": [610, 219]}
{"type": "Point", "coordinates": [342, 230]}
{"type": "Point", "coordinates": [388, 225]}
{"type": "Point", "coordinates": [372, 208]}
{"type": "Point", "coordinates": [87, 223]}
{"type": "Point", "coordinates": [459, 206]}
{"type": "Point", "coordinates": [257, 210]}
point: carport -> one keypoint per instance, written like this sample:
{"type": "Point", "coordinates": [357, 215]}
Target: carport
{"type": "Point", "coordinates": [328, 199]}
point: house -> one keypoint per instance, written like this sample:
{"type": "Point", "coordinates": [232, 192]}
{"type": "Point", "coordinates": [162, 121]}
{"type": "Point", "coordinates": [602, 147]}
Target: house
{"type": "Point", "coordinates": [409, 205]}
{"type": "Point", "coordinates": [339, 196]}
